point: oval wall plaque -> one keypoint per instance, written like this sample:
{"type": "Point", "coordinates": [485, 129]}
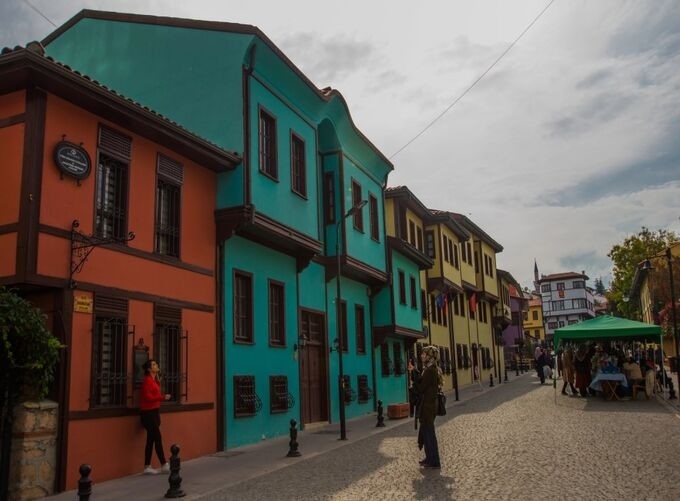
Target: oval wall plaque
{"type": "Point", "coordinates": [72, 159]}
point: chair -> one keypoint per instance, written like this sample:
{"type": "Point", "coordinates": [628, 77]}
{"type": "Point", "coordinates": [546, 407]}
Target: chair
{"type": "Point", "coordinates": [647, 385]}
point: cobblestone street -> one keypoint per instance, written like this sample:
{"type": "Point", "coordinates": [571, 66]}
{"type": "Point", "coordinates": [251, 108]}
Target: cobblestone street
{"type": "Point", "coordinates": [512, 443]}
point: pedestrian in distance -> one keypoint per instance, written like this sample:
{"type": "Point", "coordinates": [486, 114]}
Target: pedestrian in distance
{"type": "Point", "coordinates": [540, 363]}
{"type": "Point", "coordinates": [582, 367]}
{"type": "Point", "coordinates": [150, 399]}
{"type": "Point", "coordinates": [568, 370]}
{"type": "Point", "coordinates": [428, 384]}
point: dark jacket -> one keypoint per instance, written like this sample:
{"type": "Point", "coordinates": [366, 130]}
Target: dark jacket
{"type": "Point", "coordinates": [427, 385]}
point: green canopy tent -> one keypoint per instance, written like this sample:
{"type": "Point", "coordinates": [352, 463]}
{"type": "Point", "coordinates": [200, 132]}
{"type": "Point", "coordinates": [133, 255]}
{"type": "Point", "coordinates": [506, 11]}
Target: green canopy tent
{"type": "Point", "coordinates": [608, 328]}
{"type": "Point", "coordinates": [605, 328]}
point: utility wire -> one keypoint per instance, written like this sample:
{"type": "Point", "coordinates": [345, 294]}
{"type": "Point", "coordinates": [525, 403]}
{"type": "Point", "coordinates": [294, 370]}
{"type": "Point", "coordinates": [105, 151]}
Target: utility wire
{"type": "Point", "coordinates": [40, 13]}
{"type": "Point", "coordinates": [473, 83]}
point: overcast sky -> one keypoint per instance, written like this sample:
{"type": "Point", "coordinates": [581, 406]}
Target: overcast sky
{"type": "Point", "coordinates": [568, 145]}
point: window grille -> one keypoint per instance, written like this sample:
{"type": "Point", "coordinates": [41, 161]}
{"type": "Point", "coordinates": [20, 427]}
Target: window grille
{"type": "Point", "coordinates": [365, 393]}
{"type": "Point", "coordinates": [358, 216]}
{"type": "Point", "coordinates": [111, 201]}
{"type": "Point", "coordinates": [360, 328]}
{"type": "Point", "coordinates": [109, 362]}
{"type": "Point", "coordinates": [243, 307]}
{"type": "Point", "coordinates": [246, 401]}
{"type": "Point", "coordinates": [167, 218]}
{"type": "Point", "coordinates": [279, 398]}
{"type": "Point", "coordinates": [402, 287]}
{"type": "Point", "coordinates": [171, 347]}
{"type": "Point", "coordinates": [277, 332]}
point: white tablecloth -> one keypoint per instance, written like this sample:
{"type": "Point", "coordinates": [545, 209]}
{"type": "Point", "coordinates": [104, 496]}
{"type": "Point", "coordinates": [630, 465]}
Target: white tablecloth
{"type": "Point", "coordinates": [596, 383]}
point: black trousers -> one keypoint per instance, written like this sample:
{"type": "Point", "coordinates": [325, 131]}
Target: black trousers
{"type": "Point", "coordinates": [151, 421]}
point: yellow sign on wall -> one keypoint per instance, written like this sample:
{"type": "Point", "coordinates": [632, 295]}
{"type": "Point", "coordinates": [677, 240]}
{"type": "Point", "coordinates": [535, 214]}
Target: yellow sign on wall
{"type": "Point", "coordinates": [82, 304]}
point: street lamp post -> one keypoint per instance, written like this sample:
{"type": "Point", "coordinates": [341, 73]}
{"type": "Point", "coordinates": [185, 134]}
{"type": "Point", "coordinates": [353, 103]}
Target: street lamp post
{"type": "Point", "coordinates": [340, 347]}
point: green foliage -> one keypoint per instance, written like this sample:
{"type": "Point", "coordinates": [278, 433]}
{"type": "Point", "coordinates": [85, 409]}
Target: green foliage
{"type": "Point", "coordinates": [626, 257]}
{"type": "Point", "coordinates": [29, 352]}
{"type": "Point", "coordinates": [599, 287]}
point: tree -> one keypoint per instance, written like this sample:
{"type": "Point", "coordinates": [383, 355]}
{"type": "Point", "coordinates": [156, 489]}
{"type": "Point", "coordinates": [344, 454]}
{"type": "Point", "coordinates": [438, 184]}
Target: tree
{"type": "Point", "coordinates": [29, 353]}
{"type": "Point", "coordinates": [599, 287]}
{"type": "Point", "coordinates": [626, 257]}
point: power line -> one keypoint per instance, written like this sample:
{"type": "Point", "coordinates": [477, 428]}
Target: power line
{"type": "Point", "coordinates": [40, 13]}
{"type": "Point", "coordinates": [473, 83]}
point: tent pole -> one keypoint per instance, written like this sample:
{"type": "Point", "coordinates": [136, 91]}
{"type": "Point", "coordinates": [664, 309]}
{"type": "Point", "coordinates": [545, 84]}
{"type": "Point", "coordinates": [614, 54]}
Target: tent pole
{"type": "Point", "coordinates": [663, 369]}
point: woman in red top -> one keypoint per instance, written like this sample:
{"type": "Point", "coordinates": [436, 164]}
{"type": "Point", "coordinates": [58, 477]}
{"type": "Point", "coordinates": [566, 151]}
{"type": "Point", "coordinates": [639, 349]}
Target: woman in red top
{"type": "Point", "coordinates": [150, 398]}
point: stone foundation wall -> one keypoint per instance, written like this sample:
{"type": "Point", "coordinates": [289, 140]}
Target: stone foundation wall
{"type": "Point", "coordinates": [34, 450]}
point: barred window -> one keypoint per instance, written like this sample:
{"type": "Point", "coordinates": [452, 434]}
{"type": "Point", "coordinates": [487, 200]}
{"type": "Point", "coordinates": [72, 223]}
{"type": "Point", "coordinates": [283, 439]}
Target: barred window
{"type": "Point", "coordinates": [402, 287]}
{"type": "Point", "coordinates": [385, 362]}
{"type": "Point", "coordinates": [267, 138]}
{"type": "Point", "coordinates": [168, 195]}
{"type": "Point", "coordinates": [170, 350]}
{"type": "Point", "coordinates": [243, 307]}
{"type": "Point", "coordinates": [109, 353]}
{"type": "Point", "coordinates": [363, 390]}
{"type": "Point", "coordinates": [398, 360]}
{"type": "Point", "coordinates": [246, 401]}
{"type": "Point", "coordinates": [278, 394]}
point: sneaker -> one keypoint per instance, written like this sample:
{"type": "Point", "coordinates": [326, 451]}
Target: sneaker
{"type": "Point", "coordinates": [149, 471]}
{"type": "Point", "coordinates": [165, 468]}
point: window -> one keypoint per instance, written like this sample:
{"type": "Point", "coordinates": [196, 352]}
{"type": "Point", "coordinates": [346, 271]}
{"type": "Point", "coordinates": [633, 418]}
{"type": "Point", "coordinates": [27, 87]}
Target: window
{"type": "Point", "coordinates": [419, 238]}
{"type": "Point", "coordinates": [537, 333]}
{"type": "Point", "coordinates": [243, 307]}
{"type": "Point", "coordinates": [364, 392]}
{"type": "Point", "coordinates": [168, 349]}
{"type": "Point", "coordinates": [459, 355]}
{"type": "Point", "coordinates": [109, 353]}
{"type": "Point", "coordinates": [572, 322]}
{"type": "Point", "coordinates": [373, 214]}
{"type": "Point", "coordinates": [329, 197]}
{"type": "Point", "coordinates": [451, 259]}
{"type": "Point", "coordinates": [545, 288]}
{"type": "Point", "coordinates": [358, 216]}
{"type": "Point", "coordinates": [534, 315]}
{"type": "Point", "coordinates": [455, 256]}
{"type": "Point", "coordinates": [267, 130]}
{"type": "Point", "coordinates": [561, 323]}
{"type": "Point", "coordinates": [168, 191]}
{"type": "Point", "coordinates": [412, 233]}
{"type": "Point", "coordinates": [476, 262]}
{"type": "Point", "coordinates": [398, 361]}
{"type": "Point", "coordinates": [560, 286]}
{"type": "Point", "coordinates": [277, 331]}
{"type": "Point", "coordinates": [456, 310]}
{"type": "Point", "coordinates": [526, 316]}
{"type": "Point", "coordinates": [446, 248]}
{"type": "Point", "coordinates": [298, 167]}
{"type": "Point", "coordinates": [360, 328]}
{"type": "Point", "coordinates": [278, 394]}
{"type": "Point", "coordinates": [246, 401]}
{"type": "Point", "coordinates": [423, 305]}
{"type": "Point", "coordinates": [463, 252]}
{"type": "Point", "coordinates": [429, 244]}
{"type": "Point", "coordinates": [112, 184]}
{"type": "Point", "coordinates": [402, 287]}
{"type": "Point", "coordinates": [385, 362]}
{"type": "Point", "coordinates": [579, 303]}
{"type": "Point", "coordinates": [558, 305]}
{"type": "Point", "coordinates": [578, 284]}
{"type": "Point", "coordinates": [469, 252]}
{"type": "Point", "coordinates": [552, 325]}
{"type": "Point", "coordinates": [343, 326]}
{"type": "Point", "coordinates": [414, 299]}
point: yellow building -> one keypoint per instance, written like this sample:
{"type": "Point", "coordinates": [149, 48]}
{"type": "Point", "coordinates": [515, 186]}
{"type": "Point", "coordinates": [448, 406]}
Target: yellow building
{"type": "Point", "coordinates": [533, 319]}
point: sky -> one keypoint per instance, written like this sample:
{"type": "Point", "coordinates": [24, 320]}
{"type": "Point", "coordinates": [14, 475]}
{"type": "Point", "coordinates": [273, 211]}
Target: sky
{"type": "Point", "coordinates": [568, 145]}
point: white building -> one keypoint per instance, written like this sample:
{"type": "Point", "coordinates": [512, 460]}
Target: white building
{"type": "Point", "coordinates": [566, 300]}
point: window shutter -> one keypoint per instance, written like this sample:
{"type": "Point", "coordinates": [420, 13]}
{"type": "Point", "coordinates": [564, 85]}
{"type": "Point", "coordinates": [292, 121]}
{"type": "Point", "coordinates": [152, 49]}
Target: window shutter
{"type": "Point", "coordinates": [115, 142]}
{"type": "Point", "coordinates": [170, 170]}
{"type": "Point", "coordinates": [111, 304]}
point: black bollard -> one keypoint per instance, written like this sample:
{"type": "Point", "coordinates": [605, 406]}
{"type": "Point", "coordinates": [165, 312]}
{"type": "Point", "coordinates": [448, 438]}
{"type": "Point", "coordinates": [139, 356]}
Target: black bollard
{"type": "Point", "coordinates": [381, 418]}
{"type": "Point", "coordinates": [293, 445]}
{"type": "Point", "coordinates": [490, 380]}
{"type": "Point", "coordinates": [505, 379]}
{"type": "Point", "coordinates": [175, 481]}
{"type": "Point", "coordinates": [84, 483]}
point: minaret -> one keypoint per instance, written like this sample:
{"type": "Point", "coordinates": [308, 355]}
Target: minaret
{"type": "Point", "coordinates": [535, 276]}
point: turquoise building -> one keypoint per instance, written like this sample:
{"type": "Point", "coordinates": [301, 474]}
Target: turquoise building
{"type": "Point", "coordinates": [304, 210]}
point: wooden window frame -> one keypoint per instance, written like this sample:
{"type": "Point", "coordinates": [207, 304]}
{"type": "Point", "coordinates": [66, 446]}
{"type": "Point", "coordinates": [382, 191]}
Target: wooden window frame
{"type": "Point", "coordinates": [169, 180]}
{"type": "Point", "coordinates": [244, 407]}
{"type": "Point", "coordinates": [278, 394]}
{"type": "Point", "coordinates": [401, 277]}
{"type": "Point", "coordinates": [169, 352]}
{"type": "Point", "coordinates": [414, 298]}
{"type": "Point", "coordinates": [267, 140]}
{"type": "Point", "coordinates": [298, 165]}
{"type": "Point", "coordinates": [329, 197]}
{"type": "Point", "coordinates": [360, 328]}
{"type": "Point", "coordinates": [247, 314]}
{"type": "Point", "coordinates": [277, 328]}
{"type": "Point", "coordinates": [113, 311]}
{"type": "Point", "coordinates": [430, 247]}
{"type": "Point", "coordinates": [373, 215]}
{"type": "Point", "coordinates": [358, 216]}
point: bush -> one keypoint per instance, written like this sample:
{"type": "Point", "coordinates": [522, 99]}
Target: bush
{"type": "Point", "coordinates": [29, 352]}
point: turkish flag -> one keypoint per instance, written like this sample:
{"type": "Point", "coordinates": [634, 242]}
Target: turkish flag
{"type": "Point", "coordinates": [473, 302]}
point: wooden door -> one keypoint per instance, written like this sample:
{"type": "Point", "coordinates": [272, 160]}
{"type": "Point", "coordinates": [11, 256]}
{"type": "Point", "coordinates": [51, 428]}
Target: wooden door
{"type": "Point", "coordinates": [313, 398]}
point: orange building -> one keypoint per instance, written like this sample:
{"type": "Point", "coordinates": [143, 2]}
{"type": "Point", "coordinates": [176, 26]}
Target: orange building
{"type": "Point", "coordinates": [107, 224]}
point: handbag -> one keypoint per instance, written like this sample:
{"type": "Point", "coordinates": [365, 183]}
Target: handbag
{"type": "Point", "coordinates": [441, 404]}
